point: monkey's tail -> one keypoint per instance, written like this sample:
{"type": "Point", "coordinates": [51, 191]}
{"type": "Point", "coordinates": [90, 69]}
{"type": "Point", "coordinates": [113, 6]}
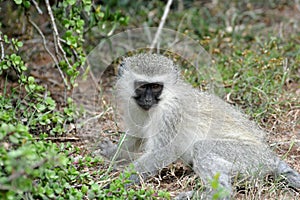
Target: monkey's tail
{"type": "Point", "coordinates": [291, 176]}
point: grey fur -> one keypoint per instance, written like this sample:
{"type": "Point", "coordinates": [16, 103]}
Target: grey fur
{"type": "Point", "coordinates": [196, 127]}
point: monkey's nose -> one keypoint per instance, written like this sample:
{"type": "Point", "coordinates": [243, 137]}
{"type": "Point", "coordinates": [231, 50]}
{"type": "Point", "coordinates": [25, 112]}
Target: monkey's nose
{"type": "Point", "coordinates": [148, 101]}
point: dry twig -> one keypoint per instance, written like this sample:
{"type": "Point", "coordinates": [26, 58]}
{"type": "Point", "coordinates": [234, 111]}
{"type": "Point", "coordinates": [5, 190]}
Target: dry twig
{"type": "Point", "coordinates": [56, 35]}
{"type": "Point", "coordinates": [2, 48]}
{"type": "Point", "coordinates": [63, 139]}
{"type": "Point", "coordinates": [23, 172]}
{"type": "Point", "coordinates": [297, 3]}
{"type": "Point", "coordinates": [36, 5]}
{"type": "Point", "coordinates": [161, 24]}
{"type": "Point", "coordinates": [48, 51]}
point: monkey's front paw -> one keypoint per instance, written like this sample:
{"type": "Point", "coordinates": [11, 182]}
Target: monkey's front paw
{"type": "Point", "coordinates": [184, 195]}
{"type": "Point", "coordinates": [135, 179]}
{"type": "Point", "coordinates": [107, 148]}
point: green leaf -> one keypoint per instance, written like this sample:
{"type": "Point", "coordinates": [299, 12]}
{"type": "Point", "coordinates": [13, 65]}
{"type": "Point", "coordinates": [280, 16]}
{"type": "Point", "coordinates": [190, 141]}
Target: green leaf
{"type": "Point", "coordinates": [21, 128]}
{"type": "Point", "coordinates": [23, 68]}
{"type": "Point", "coordinates": [18, 2]}
{"type": "Point", "coordinates": [71, 2]}
{"type": "Point", "coordinates": [84, 189]}
{"type": "Point", "coordinates": [51, 103]}
{"type": "Point", "coordinates": [2, 134]}
{"type": "Point", "coordinates": [63, 160]}
{"type": "Point", "coordinates": [16, 59]}
{"type": "Point", "coordinates": [4, 66]}
{"type": "Point", "coordinates": [8, 128]}
{"type": "Point", "coordinates": [26, 4]}
{"type": "Point", "coordinates": [19, 44]}
{"type": "Point", "coordinates": [40, 107]}
{"type": "Point", "coordinates": [95, 187]}
{"type": "Point", "coordinates": [80, 23]}
{"type": "Point", "coordinates": [31, 86]}
{"type": "Point", "coordinates": [13, 139]}
{"type": "Point", "coordinates": [216, 196]}
{"type": "Point", "coordinates": [30, 79]}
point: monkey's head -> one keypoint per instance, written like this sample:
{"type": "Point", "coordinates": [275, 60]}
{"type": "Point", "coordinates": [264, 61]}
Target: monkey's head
{"type": "Point", "coordinates": [145, 78]}
{"type": "Point", "coordinates": [147, 94]}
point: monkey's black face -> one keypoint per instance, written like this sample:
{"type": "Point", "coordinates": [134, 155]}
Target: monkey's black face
{"type": "Point", "coordinates": [147, 94]}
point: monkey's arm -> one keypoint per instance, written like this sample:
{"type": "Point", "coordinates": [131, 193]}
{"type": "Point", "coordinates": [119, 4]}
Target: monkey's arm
{"type": "Point", "coordinates": [149, 163]}
{"type": "Point", "coordinates": [128, 148]}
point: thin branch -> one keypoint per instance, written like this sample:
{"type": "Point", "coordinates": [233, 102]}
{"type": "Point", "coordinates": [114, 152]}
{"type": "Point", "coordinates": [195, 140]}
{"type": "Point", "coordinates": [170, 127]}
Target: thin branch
{"type": "Point", "coordinates": [97, 116]}
{"type": "Point", "coordinates": [23, 172]}
{"type": "Point", "coordinates": [36, 5]}
{"type": "Point", "coordinates": [297, 4]}
{"type": "Point", "coordinates": [56, 35]}
{"type": "Point", "coordinates": [61, 139]}
{"type": "Point", "coordinates": [93, 77]}
{"type": "Point", "coordinates": [44, 40]}
{"type": "Point", "coordinates": [284, 143]}
{"type": "Point", "coordinates": [73, 49]}
{"type": "Point", "coordinates": [161, 24]}
{"type": "Point", "coordinates": [178, 31]}
{"type": "Point", "coordinates": [5, 188]}
{"type": "Point", "coordinates": [1, 46]}
{"type": "Point", "coordinates": [9, 188]}
{"type": "Point", "coordinates": [48, 51]}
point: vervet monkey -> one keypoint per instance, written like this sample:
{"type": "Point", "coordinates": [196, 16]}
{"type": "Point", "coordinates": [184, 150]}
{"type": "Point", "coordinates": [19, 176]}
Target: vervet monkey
{"type": "Point", "coordinates": [167, 119]}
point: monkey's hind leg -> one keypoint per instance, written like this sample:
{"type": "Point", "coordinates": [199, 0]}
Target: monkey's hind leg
{"type": "Point", "coordinates": [207, 167]}
{"type": "Point", "coordinates": [226, 158]}
{"type": "Point", "coordinates": [206, 173]}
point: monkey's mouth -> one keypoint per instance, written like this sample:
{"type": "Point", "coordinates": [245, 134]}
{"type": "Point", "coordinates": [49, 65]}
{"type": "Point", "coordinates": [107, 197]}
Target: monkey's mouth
{"type": "Point", "coordinates": [145, 106]}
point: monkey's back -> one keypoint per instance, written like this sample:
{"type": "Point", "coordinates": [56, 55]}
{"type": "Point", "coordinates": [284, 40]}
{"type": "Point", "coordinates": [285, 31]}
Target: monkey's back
{"type": "Point", "coordinates": [213, 118]}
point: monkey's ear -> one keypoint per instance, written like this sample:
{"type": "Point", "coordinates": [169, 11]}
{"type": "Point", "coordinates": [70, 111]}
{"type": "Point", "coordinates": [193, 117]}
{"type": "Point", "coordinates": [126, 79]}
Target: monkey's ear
{"type": "Point", "coordinates": [121, 69]}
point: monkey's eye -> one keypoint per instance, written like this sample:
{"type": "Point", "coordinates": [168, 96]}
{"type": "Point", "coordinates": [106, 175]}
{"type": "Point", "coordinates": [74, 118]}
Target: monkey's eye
{"type": "Point", "coordinates": [143, 86]}
{"type": "Point", "coordinates": [141, 89]}
{"type": "Point", "coordinates": [155, 86]}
